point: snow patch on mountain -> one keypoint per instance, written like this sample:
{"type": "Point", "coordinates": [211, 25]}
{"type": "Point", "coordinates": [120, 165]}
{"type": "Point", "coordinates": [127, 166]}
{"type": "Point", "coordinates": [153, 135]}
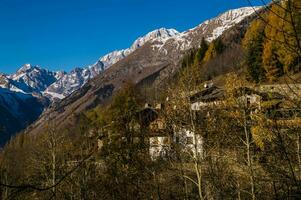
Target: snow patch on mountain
{"type": "Point", "coordinates": [53, 95]}
{"type": "Point", "coordinates": [114, 57]}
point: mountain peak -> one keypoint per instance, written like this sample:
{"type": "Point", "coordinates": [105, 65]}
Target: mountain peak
{"type": "Point", "coordinates": [113, 57]}
{"type": "Point", "coordinates": [155, 35]}
{"type": "Point", "coordinates": [236, 15]}
{"type": "Point", "coordinates": [25, 68]}
{"type": "Point", "coordinates": [158, 34]}
{"type": "Point", "coordinates": [28, 65]}
{"type": "Point", "coordinates": [228, 19]}
{"type": "Point", "coordinates": [162, 32]}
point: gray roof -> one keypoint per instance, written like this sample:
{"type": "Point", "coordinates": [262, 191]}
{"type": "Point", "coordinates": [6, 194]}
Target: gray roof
{"type": "Point", "coordinates": [209, 94]}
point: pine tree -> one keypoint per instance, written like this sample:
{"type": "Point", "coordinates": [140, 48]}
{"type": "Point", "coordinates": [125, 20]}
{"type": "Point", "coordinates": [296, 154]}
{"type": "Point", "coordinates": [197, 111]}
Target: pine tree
{"type": "Point", "coordinates": [200, 54]}
{"type": "Point", "coordinates": [290, 50]}
{"type": "Point", "coordinates": [271, 59]}
{"type": "Point", "coordinates": [253, 43]}
{"type": "Point", "coordinates": [188, 59]}
{"type": "Point", "coordinates": [219, 46]}
{"type": "Point", "coordinates": [215, 48]}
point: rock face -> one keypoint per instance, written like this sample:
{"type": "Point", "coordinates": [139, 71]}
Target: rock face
{"type": "Point", "coordinates": [158, 58]}
{"type": "Point", "coordinates": [28, 79]}
{"type": "Point", "coordinates": [32, 78]}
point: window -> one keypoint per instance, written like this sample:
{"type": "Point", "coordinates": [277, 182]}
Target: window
{"type": "Point", "coordinates": [154, 141]}
{"type": "Point", "coordinates": [248, 101]}
{"type": "Point", "coordinates": [189, 140]}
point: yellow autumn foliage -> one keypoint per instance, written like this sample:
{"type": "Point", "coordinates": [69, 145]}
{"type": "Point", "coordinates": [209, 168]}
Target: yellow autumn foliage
{"type": "Point", "coordinates": [210, 53]}
{"type": "Point", "coordinates": [253, 32]}
{"type": "Point", "coordinates": [260, 132]}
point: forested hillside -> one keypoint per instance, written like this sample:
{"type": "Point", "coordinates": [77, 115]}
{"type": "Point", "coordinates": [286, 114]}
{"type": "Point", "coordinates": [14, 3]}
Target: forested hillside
{"type": "Point", "coordinates": [221, 127]}
{"type": "Point", "coordinates": [272, 42]}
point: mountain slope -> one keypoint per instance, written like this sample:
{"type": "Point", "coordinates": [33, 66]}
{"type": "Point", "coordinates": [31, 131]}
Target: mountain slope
{"type": "Point", "coordinates": [78, 77]}
{"type": "Point", "coordinates": [159, 57]}
{"type": "Point", "coordinates": [18, 110]}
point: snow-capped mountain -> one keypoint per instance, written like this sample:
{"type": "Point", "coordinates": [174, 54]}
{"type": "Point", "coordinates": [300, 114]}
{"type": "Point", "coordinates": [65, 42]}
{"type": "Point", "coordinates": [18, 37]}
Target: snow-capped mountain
{"type": "Point", "coordinates": [71, 82]}
{"type": "Point", "coordinates": [156, 55]}
{"type": "Point", "coordinates": [161, 39]}
{"type": "Point", "coordinates": [161, 34]}
{"type": "Point", "coordinates": [29, 79]}
{"type": "Point", "coordinates": [58, 85]}
{"type": "Point", "coordinates": [78, 77]}
{"type": "Point", "coordinates": [229, 19]}
{"type": "Point", "coordinates": [209, 30]}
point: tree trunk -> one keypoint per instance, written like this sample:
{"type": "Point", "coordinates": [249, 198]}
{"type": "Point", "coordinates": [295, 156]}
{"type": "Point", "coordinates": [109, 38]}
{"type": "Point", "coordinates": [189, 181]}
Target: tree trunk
{"type": "Point", "coordinates": [249, 158]}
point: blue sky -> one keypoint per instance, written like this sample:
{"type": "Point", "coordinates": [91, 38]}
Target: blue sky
{"type": "Point", "coordinates": [62, 34]}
